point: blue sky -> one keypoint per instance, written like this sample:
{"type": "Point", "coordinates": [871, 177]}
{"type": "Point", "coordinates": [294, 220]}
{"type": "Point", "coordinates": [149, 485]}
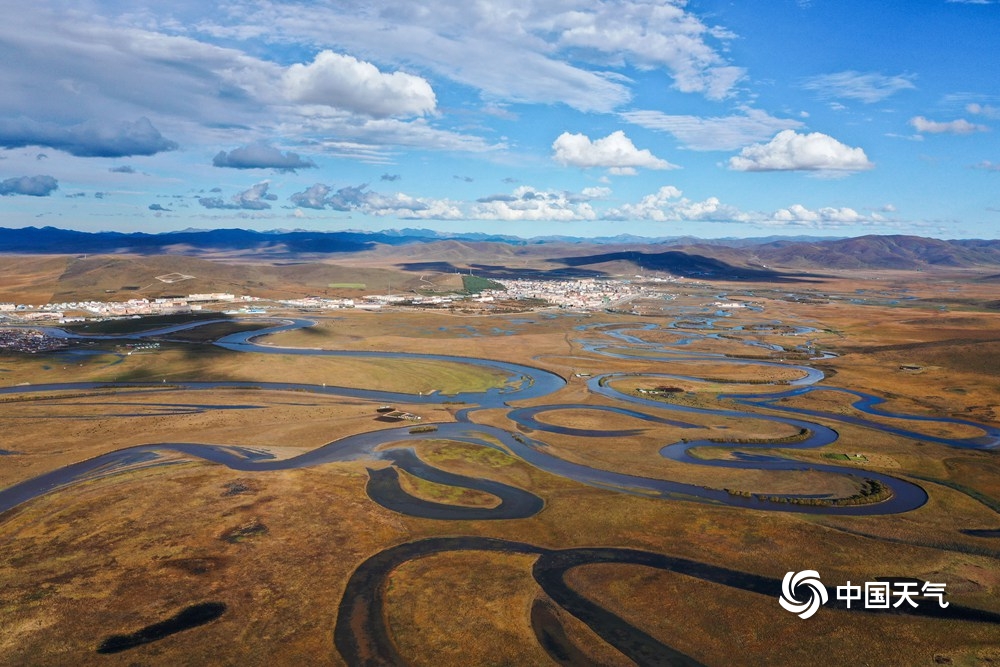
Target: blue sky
{"type": "Point", "coordinates": [525, 117]}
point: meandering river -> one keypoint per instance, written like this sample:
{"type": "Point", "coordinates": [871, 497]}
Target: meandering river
{"type": "Point", "coordinates": [360, 634]}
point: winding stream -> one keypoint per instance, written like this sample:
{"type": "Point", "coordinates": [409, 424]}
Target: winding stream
{"type": "Point", "coordinates": [360, 634]}
{"type": "Point", "coordinates": [524, 382]}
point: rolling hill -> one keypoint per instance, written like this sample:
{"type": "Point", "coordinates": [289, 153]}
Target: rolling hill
{"type": "Point", "coordinates": [72, 265]}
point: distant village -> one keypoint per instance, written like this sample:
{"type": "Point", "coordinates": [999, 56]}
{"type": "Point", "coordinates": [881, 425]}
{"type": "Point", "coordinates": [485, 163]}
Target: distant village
{"type": "Point", "coordinates": [583, 294]}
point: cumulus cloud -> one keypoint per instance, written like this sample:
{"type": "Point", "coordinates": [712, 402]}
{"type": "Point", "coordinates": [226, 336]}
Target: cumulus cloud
{"type": "Point", "coordinates": [344, 82]}
{"type": "Point", "coordinates": [32, 186]}
{"type": "Point", "coordinates": [868, 87]}
{"type": "Point", "coordinates": [359, 198]}
{"type": "Point", "coordinates": [313, 197]}
{"type": "Point", "coordinates": [615, 152]}
{"type": "Point", "coordinates": [350, 198]}
{"type": "Point", "coordinates": [668, 205]}
{"type": "Point", "coordinates": [799, 213]}
{"type": "Point", "coordinates": [256, 198]}
{"type": "Point", "coordinates": [959, 126]}
{"type": "Point", "coordinates": [986, 165]}
{"type": "Point", "coordinates": [158, 208]}
{"type": "Point", "coordinates": [90, 139]}
{"type": "Point", "coordinates": [527, 203]}
{"type": "Point", "coordinates": [826, 217]}
{"type": "Point", "coordinates": [404, 206]}
{"type": "Point", "coordinates": [595, 193]}
{"type": "Point", "coordinates": [261, 155]}
{"type": "Point", "coordinates": [123, 169]}
{"type": "Point", "coordinates": [390, 177]}
{"type": "Point", "coordinates": [724, 133]}
{"type": "Point", "coordinates": [791, 151]}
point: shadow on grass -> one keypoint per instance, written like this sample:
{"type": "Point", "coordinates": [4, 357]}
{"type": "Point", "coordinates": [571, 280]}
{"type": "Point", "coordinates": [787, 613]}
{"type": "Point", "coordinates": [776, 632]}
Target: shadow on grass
{"type": "Point", "coordinates": [197, 364]}
{"type": "Point", "coordinates": [142, 324]}
{"type": "Point", "coordinates": [190, 617]}
{"type": "Point", "coordinates": [690, 265]}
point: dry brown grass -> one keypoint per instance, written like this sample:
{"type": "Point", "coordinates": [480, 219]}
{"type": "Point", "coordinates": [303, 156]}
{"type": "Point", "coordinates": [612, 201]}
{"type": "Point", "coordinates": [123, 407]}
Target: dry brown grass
{"type": "Point", "coordinates": [116, 554]}
{"type": "Point", "coordinates": [206, 363]}
{"type": "Point", "coordinates": [30, 279]}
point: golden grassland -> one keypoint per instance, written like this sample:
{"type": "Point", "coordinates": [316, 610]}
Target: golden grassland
{"type": "Point", "coordinates": [442, 493]}
{"type": "Point", "coordinates": [175, 363]}
{"type": "Point", "coordinates": [112, 555]}
{"type": "Point", "coordinates": [489, 617]}
{"type": "Point", "coordinates": [51, 432]}
{"type": "Point", "coordinates": [30, 279]}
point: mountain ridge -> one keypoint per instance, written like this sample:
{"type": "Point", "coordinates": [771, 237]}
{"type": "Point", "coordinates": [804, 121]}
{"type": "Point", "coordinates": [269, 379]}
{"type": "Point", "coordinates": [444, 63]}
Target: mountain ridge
{"type": "Point", "coordinates": [905, 252]}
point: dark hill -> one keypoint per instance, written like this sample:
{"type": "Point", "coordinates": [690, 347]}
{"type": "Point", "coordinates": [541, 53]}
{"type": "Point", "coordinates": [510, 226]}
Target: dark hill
{"type": "Point", "coordinates": [49, 240]}
{"type": "Point", "coordinates": [684, 264]}
{"type": "Point", "coordinates": [748, 260]}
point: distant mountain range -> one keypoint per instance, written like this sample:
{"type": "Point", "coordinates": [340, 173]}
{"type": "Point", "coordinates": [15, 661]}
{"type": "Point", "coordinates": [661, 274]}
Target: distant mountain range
{"type": "Point", "coordinates": [691, 255]}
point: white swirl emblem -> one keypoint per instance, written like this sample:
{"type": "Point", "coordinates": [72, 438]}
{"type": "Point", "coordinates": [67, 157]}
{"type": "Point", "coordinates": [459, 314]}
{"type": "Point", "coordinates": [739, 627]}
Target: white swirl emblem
{"type": "Point", "coordinates": [817, 593]}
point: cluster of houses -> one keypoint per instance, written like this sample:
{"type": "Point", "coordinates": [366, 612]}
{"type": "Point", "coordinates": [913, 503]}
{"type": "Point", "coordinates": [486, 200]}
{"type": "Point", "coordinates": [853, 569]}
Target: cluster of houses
{"type": "Point", "coordinates": [29, 340]}
{"type": "Point", "coordinates": [76, 311]}
{"type": "Point", "coordinates": [586, 293]}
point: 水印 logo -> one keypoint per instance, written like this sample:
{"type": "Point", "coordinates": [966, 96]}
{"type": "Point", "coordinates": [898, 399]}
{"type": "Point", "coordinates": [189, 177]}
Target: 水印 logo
{"type": "Point", "coordinates": [796, 582]}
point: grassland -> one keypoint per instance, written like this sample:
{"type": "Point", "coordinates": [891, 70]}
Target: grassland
{"type": "Point", "coordinates": [175, 362]}
{"type": "Point", "coordinates": [477, 284]}
{"type": "Point", "coordinates": [116, 554]}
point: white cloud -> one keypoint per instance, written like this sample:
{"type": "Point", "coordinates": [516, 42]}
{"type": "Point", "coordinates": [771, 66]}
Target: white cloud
{"type": "Point", "coordinates": [403, 206]}
{"type": "Point", "coordinates": [791, 151]}
{"type": "Point", "coordinates": [799, 213]}
{"type": "Point", "coordinates": [359, 198]}
{"type": "Point", "coordinates": [959, 126]}
{"type": "Point", "coordinates": [595, 193]}
{"type": "Point", "coordinates": [530, 51]}
{"type": "Point", "coordinates": [255, 198]}
{"type": "Point", "coordinates": [986, 165]}
{"type": "Point", "coordinates": [724, 133]}
{"type": "Point", "coordinates": [615, 152]}
{"type": "Point", "coordinates": [986, 110]}
{"type": "Point", "coordinates": [823, 218]}
{"type": "Point", "coordinates": [668, 205]}
{"type": "Point", "coordinates": [527, 203]}
{"type": "Point", "coordinates": [312, 197]}
{"type": "Point", "coordinates": [344, 82]}
{"type": "Point", "coordinates": [651, 35]}
{"type": "Point", "coordinates": [867, 87]}
{"type": "Point", "coordinates": [199, 93]}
